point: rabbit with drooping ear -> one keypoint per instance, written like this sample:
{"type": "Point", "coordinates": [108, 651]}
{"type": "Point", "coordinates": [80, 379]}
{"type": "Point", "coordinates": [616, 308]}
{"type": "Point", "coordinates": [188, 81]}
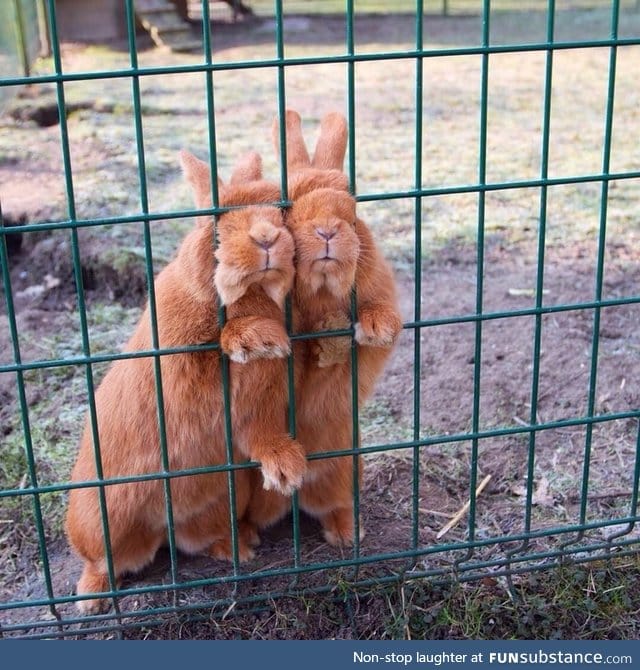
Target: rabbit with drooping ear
{"type": "Point", "coordinates": [335, 254]}
{"type": "Point", "coordinates": [253, 272]}
{"type": "Point", "coordinates": [253, 275]}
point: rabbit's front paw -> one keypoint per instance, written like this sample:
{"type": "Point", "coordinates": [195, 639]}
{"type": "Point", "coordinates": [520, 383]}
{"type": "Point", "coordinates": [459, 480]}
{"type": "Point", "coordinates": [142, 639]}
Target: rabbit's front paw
{"type": "Point", "coordinates": [330, 351]}
{"type": "Point", "coordinates": [283, 466]}
{"type": "Point", "coordinates": [377, 327]}
{"type": "Point", "coordinates": [245, 339]}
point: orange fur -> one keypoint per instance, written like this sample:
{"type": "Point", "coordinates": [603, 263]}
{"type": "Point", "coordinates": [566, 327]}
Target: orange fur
{"type": "Point", "coordinates": [335, 251]}
{"type": "Point", "coordinates": [257, 278]}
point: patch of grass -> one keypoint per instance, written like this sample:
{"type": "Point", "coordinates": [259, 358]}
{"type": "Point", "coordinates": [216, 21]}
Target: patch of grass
{"type": "Point", "coordinates": [594, 601]}
{"type": "Point", "coordinates": [380, 424]}
{"type": "Point", "coordinates": [57, 406]}
{"type": "Point", "coordinates": [53, 453]}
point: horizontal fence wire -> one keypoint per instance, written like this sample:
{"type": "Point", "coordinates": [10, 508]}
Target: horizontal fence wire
{"type": "Point", "coordinates": [48, 613]}
{"type": "Point", "coordinates": [368, 197]}
{"type": "Point", "coordinates": [319, 60]}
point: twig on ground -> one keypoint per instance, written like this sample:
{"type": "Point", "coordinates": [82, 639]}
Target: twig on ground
{"type": "Point", "coordinates": [463, 510]}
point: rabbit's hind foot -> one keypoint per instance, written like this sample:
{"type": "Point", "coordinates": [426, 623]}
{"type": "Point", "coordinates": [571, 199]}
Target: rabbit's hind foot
{"type": "Point", "coordinates": [247, 538]}
{"type": "Point", "coordinates": [338, 527]}
{"type": "Point", "coordinates": [92, 581]}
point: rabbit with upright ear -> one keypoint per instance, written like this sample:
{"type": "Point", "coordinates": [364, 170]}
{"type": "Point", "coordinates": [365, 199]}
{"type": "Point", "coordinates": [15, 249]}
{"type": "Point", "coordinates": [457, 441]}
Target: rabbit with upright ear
{"type": "Point", "coordinates": [253, 272]}
{"type": "Point", "coordinates": [335, 254]}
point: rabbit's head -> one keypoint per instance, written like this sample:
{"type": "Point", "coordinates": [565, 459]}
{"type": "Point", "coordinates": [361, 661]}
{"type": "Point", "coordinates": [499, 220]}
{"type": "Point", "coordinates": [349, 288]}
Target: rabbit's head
{"type": "Point", "coordinates": [323, 225]}
{"type": "Point", "coordinates": [253, 246]}
{"type": "Point", "coordinates": [322, 218]}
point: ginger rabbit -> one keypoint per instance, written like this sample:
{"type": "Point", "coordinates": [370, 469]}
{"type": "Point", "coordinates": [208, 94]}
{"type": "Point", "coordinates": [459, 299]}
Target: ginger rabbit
{"type": "Point", "coordinates": [253, 273]}
{"type": "Point", "coordinates": [335, 253]}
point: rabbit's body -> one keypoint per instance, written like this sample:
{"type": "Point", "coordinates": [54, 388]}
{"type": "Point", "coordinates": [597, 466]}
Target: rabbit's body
{"type": "Point", "coordinates": [253, 281]}
{"type": "Point", "coordinates": [323, 394]}
{"type": "Point", "coordinates": [128, 429]}
{"type": "Point", "coordinates": [335, 254]}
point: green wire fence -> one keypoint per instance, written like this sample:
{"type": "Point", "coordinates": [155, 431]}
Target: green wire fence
{"type": "Point", "coordinates": [143, 603]}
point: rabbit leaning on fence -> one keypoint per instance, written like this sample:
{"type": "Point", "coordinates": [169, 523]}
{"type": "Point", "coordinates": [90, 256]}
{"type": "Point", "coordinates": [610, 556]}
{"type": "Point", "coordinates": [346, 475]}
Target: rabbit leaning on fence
{"type": "Point", "coordinates": [335, 253]}
{"type": "Point", "coordinates": [253, 273]}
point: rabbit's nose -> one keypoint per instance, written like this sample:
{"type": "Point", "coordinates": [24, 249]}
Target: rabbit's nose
{"type": "Point", "coordinates": [265, 240]}
{"type": "Point", "coordinates": [325, 234]}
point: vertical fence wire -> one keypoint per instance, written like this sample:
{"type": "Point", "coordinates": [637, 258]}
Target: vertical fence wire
{"type": "Point", "coordinates": [282, 103]}
{"type": "Point", "coordinates": [477, 361]}
{"type": "Point", "coordinates": [26, 424]}
{"type": "Point", "coordinates": [350, 59]}
{"type": "Point", "coordinates": [417, 276]}
{"type": "Point", "coordinates": [540, 256]}
{"type": "Point", "coordinates": [355, 432]}
{"type": "Point", "coordinates": [77, 271]}
{"type": "Point", "coordinates": [21, 38]}
{"type": "Point", "coordinates": [153, 315]}
{"type": "Point", "coordinates": [225, 368]}
{"type": "Point", "coordinates": [284, 190]}
{"type": "Point", "coordinates": [599, 274]}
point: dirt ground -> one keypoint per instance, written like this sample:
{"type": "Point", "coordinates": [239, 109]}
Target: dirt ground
{"type": "Point", "coordinates": [45, 303]}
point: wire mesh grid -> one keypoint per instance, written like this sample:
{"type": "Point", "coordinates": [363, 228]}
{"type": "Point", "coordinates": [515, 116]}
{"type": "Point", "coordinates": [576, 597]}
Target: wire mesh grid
{"type": "Point", "coordinates": [527, 544]}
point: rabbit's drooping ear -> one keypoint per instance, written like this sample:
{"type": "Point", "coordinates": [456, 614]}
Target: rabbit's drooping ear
{"type": "Point", "coordinates": [297, 154]}
{"type": "Point", "coordinates": [247, 168]}
{"type": "Point", "coordinates": [332, 142]}
{"type": "Point", "coordinates": [198, 175]}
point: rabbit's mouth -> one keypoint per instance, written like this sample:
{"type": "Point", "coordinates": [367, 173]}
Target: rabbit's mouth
{"type": "Point", "coordinates": [267, 273]}
{"type": "Point", "coordinates": [322, 267]}
{"type": "Point", "coordinates": [325, 261]}
{"type": "Point", "coordinates": [273, 275]}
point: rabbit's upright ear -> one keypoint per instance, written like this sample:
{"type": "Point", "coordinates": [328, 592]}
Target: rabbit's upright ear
{"type": "Point", "coordinates": [247, 168]}
{"type": "Point", "coordinates": [297, 154]}
{"type": "Point", "coordinates": [332, 142]}
{"type": "Point", "coordinates": [197, 173]}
